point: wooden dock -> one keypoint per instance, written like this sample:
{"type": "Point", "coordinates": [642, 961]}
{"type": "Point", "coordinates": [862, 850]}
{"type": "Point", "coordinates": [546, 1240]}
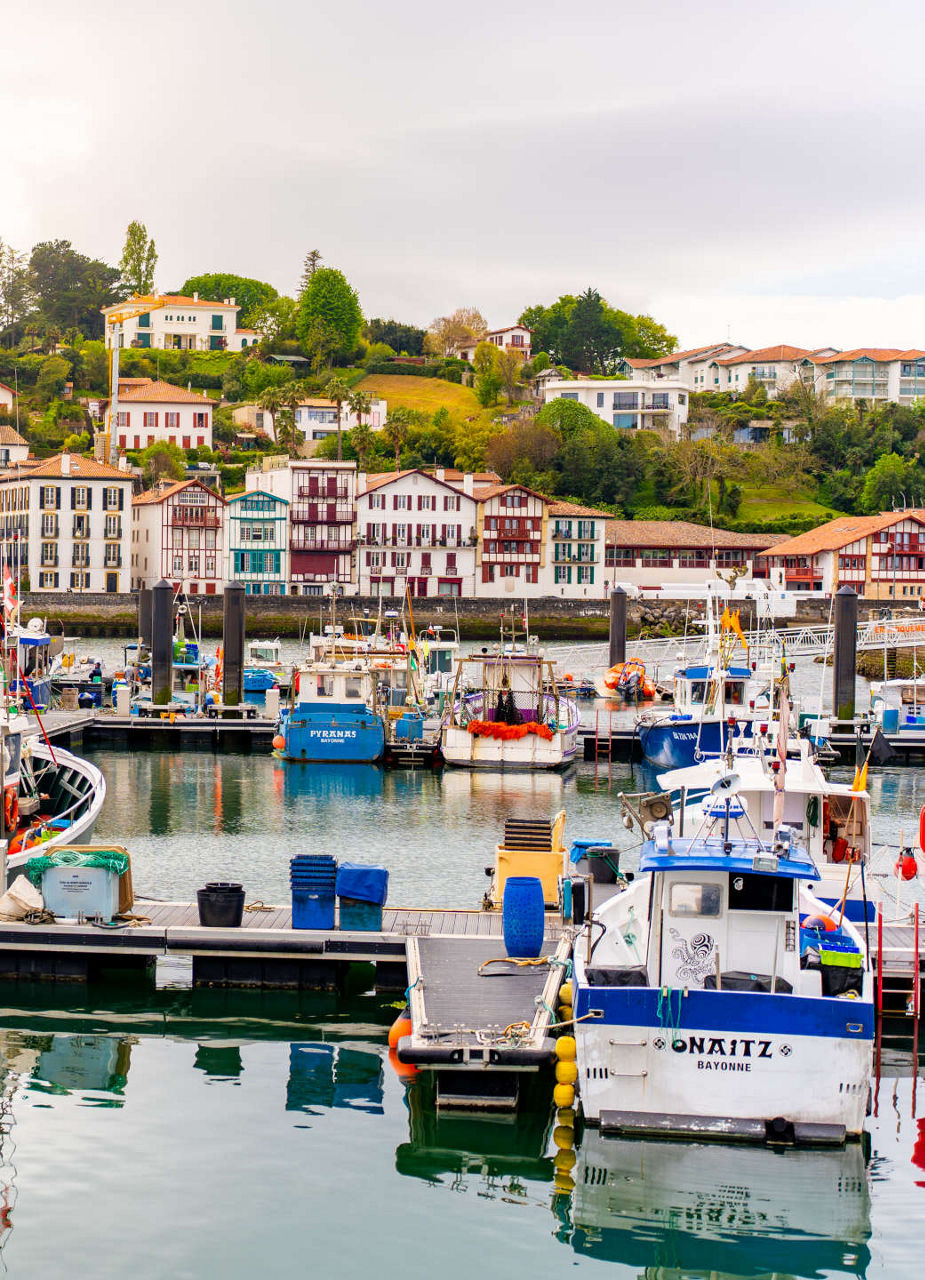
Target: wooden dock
{"type": "Point", "coordinates": [104, 728]}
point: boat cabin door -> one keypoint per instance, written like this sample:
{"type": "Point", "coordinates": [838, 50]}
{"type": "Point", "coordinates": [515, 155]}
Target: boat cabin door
{"type": "Point", "coordinates": [693, 927]}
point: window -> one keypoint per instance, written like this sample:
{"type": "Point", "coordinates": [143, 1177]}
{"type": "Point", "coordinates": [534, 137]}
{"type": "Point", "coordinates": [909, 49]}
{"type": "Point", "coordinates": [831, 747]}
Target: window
{"type": "Point", "coordinates": [122, 420]}
{"type": "Point", "coordinates": [377, 501]}
{"type": "Point", "coordinates": [568, 395]}
{"type": "Point", "coordinates": [79, 498]}
{"type": "Point", "coordinates": [625, 400]}
{"type": "Point", "coordinates": [81, 526]}
{"type": "Point", "coordinates": [49, 553]}
{"type": "Point", "coordinates": [111, 496]}
{"type": "Point", "coordinates": [172, 421]}
{"type": "Point", "coordinates": [562, 573]}
{"type": "Point", "coordinates": [585, 575]}
{"type": "Point", "coordinates": [218, 322]}
{"type": "Point", "coordinates": [113, 527]}
{"type": "Point", "coordinates": [80, 581]}
{"type": "Point", "coordinates": [49, 526]}
{"type": "Point", "coordinates": [50, 497]}
{"type": "Point", "coordinates": [401, 502]}
{"type": "Point", "coordinates": [150, 420]}
{"type": "Point", "coordinates": [186, 442]}
{"type": "Point", "coordinates": [200, 421]}
{"type": "Point", "coordinates": [48, 581]}
{"type": "Point", "coordinates": [660, 400]}
{"type": "Point", "coordinates": [427, 502]}
{"type": "Point", "coordinates": [451, 502]}
{"type": "Point", "coordinates": [80, 555]}
{"type": "Point", "coordinates": [600, 399]}
{"type": "Point", "coordinates": [626, 421]}
{"type": "Point", "coordinates": [682, 398]}
{"type": "Point", "coordinates": [695, 900]}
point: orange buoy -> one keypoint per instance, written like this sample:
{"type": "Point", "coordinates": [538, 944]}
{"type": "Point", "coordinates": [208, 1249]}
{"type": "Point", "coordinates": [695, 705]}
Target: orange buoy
{"type": "Point", "coordinates": [405, 1071]}
{"type": "Point", "coordinates": [400, 1027]}
{"type": "Point", "coordinates": [279, 742]}
{"type": "Point", "coordinates": [826, 923]}
{"type": "Point", "coordinates": [906, 866]}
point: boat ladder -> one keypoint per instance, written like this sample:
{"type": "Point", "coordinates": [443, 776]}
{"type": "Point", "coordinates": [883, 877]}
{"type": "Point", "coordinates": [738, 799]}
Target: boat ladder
{"type": "Point", "coordinates": [898, 999]}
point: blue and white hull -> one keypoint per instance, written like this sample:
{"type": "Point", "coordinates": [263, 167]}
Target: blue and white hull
{"type": "Point", "coordinates": [677, 742]}
{"type": "Point", "coordinates": [343, 733]}
{"type": "Point", "coordinates": [724, 1064]}
{"type": "Point", "coordinates": [258, 680]}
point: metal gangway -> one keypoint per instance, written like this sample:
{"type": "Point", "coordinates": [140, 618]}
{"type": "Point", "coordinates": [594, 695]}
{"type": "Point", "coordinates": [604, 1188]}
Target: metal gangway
{"type": "Point", "coordinates": [900, 631]}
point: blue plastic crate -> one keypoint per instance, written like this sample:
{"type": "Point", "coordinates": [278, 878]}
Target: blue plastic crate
{"type": "Point", "coordinates": [362, 883]}
{"type": "Point", "coordinates": [312, 910]}
{"type": "Point", "coordinates": [360, 915]}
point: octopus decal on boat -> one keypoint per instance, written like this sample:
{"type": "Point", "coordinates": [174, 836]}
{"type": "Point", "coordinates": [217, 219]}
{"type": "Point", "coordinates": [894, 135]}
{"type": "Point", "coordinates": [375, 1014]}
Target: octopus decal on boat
{"type": "Point", "coordinates": [696, 957]}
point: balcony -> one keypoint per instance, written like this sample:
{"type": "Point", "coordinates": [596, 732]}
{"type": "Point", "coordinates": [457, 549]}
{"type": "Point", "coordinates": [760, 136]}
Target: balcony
{"type": "Point", "coordinates": [320, 513]}
{"type": "Point", "coordinates": [341, 546]}
{"type": "Point", "coordinates": [656, 408]}
{"type": "Point", "coordinates": [195, 518]}
{"type": "Point", "coordinates": [307, 493]}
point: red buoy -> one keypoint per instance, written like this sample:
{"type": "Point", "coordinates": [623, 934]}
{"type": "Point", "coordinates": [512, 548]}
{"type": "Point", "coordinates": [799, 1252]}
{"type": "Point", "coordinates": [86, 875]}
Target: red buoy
{"type": "Point", "coordinates": [922, 828]}
{"type": "Point", "coordinates": [906, 865]}
{"type": "Point", "coordinates": [400, 1027]}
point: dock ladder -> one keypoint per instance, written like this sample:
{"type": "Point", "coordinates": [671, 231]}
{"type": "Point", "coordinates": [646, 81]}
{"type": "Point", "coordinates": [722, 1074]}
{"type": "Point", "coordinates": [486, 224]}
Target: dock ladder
{"type": "Point", "coordinates": [898, 996]}
{"type": "Point", "coordinates": [603, 743]}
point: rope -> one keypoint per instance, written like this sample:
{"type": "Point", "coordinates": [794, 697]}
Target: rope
{"type": "Point", "coordinates": [39, 917]}
{"type": "Point", "coordinates": [520, 964]}
{"type": "Point", "coordinates": [259, 906]}
{"type": "Point", "coordinates": [668, 1019]}
{"type": "Point", "coordinates": [417, 982]}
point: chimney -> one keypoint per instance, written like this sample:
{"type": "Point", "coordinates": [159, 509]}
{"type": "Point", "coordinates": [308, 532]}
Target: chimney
{"type": "Point", "coordinates": [65, 464]}
{"type": "Point", "coordinates": [440, 473]}
{"type": "Point", "coordinates": [469, 484]}
{"type": "Point", "coordinates": [231, 300]}
{"type": "Point", "coordinates": [195, 297]}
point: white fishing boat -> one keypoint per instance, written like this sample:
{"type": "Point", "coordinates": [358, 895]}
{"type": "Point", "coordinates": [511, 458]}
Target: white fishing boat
{"type": "Point", "coordinates": [507, 711]}
{"type": "Point", "coordinates": [711, 997]}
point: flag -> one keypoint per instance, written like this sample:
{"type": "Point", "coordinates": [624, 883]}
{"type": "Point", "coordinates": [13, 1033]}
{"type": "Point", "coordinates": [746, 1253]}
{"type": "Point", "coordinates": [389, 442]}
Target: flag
{"type": "Point", "coordinates": [880, 750]}
{"type": "Point", "coordinates": [783, 733]}
{"type": "Point", "coordinates": [860, 778]}
{"type": "Point", "coordinates": [735, 625]}
{"type": "Point", "coordinates": [9, 596]}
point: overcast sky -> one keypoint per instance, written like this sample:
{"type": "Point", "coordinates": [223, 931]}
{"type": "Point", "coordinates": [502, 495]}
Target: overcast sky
{"type": "Point", "coordinates": [739, 171]}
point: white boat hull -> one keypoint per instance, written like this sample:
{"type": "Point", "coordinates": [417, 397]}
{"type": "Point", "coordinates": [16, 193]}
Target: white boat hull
{"type": "Point", "coordinates": [467, 751]}
{"type": "Point", "coordinates": [81, 827]}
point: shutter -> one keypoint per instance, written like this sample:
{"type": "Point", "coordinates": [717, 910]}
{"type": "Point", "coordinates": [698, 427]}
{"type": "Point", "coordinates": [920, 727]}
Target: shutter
{"type": "Point", "coordinates": [121, 498]}
{"type": "Point", "coordinates": [57, 497]}
{"type": "Point", "coordinates": [73, 499]}
{"type": "Point", "coordinates": [89, 497]}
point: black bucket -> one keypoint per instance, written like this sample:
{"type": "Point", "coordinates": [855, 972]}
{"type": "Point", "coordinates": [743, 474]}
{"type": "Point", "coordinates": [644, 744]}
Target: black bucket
{"type": "Point", "coordinates": [604, 862]}
{"type": "Point", "coordinates": [221, 905]}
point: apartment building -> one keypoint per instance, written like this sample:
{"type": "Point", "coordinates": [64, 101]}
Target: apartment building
{"type": "Point", "coordinates": [177, 323]}
{"type": "Point", "coordinates": [178, 534]}
{"type": "Point", "coordinates": [574, 560]}
{"type": "Point", "coordinates": [257, 543]}
{"type": "Point", "coordinates": [322, 519]}
{"type": "Point", "coordinates": [150, 411]}
{"type": "Point", "coordinates": [415, 531]}
{"type": "Point", "coordinates": [650, 554]}
{"type": "Point", "coordinates": [873, 374]}
{"type": "Point", "coordinates": [516, 338]}
{"type": "Point", "coordinates": [774, 368]}
{"type": "Point", "coordinates": [68, 519]}
{"type": "Point", "coordinates": [627, 404]}
{"type": "Point", "coordinates": [686, 367]}
{"type": "Point", "coordinates": [882, 557]}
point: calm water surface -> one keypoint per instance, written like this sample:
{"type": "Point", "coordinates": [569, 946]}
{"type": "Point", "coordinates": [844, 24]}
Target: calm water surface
{"type": "Point", "coordinates": [215, 1134]}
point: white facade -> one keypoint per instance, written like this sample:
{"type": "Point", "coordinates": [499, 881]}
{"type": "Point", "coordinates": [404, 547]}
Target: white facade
{"type": "Point", "coordinates": [573, 564]}
{"type": "Point", "coordinates": [687, 367]}
{"type": "Point", "coordinates": [416, 531]}
{"type": "Point", "coordinates": [72, 517]}
{"type": "Point", "coordinates": [150, 412]}
{"type": "Point", "coordinates": [13, 448]}
{"type": "Point", "coordinates": [774, 368]}
{"type": "Point", "coordinates": [178, 534]}
{"type": "Point", "coordinates": [627, 404]}
{"type": "Point", "coordinates": [7, 398]}
{"type": "Point", "coordinates": [177, 323]}
{"type": "Point", "coordinates": [872, 374]}
{"type": "Point", "coordinates": [515, 337]}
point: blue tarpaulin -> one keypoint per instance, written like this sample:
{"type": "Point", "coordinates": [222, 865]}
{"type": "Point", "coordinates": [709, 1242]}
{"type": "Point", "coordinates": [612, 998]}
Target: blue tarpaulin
{"type": "Point", "coordinates": [365, 884]}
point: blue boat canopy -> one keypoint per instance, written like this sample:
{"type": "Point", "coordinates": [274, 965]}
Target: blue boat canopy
{"type": "Point", "coordinates": [707, 854]}
{"type": "Point", "coordinates": [710, 673]}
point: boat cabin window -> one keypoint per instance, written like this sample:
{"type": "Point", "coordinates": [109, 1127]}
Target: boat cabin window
{"type": "Point", "coordinates": [440, 660]}
{"type": "Point", "coordinates": [353, 687]}
{"type": "Point", "coordinates": [750, 892]}
{"type": "Point", "coordinates": [325, 686]}
{"type": "Point", "coordinates": [735, 693]}
{"type": "Point", "coordinates": [698, 691]}
{"type": "Point", "coordinates": [695, 900]}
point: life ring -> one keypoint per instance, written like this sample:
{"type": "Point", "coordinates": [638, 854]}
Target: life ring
{"type": "Point", "coordinates": [11, 808]}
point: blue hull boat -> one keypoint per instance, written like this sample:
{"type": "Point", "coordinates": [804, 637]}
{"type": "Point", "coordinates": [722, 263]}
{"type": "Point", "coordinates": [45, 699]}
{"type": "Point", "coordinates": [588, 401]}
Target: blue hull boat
{"type": "Point", "coordinates": [257, 680]}
{"type": "Point", "coordinates": [677, 742]}
{"type": "Point", "coordinates": [332, 733]}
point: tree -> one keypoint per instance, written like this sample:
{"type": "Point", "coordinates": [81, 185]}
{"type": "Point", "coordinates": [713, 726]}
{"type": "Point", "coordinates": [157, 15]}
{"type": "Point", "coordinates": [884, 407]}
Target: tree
{"type": "Point", "coordinates": [16, 298]}
{"type": "Point", "coordinates": [568, 417]}
{"type": "Point", "coordinates": [252, 296]}
{"type": "Point", "coordinates": [361, 403]}
{"type": "Point", "coordinates": [52, 377]}
{"type": "Point", "coordinates": [405, 339]}
{"type": "Point", "coordinates": [163, 461]}
{"type": "Point", "coordinates": [889, 480]}
{"type": "Point", "coordinates": [509, 369]}
{"type": "Point", "coordinates": [395, 431]}
{"type": "Point", "coordinates": [309, 267]}
{"type": "Point", "coordinates": [336, 389]}
{"type": "Point", "coordinates": [363, 443]}
{"type": "Point", "coordinates": [330, 301]}
{"type": "Point", "coordinates": [139, 258]}
{"type": "Point", "coordinates": [275, 320]}
{"type": "Point", "coordinates": [447, 333]}
{"type": "Point", "coordinates": [522, 451]}
{"type": "Point", "coordinates": [586, 332]}
{"type": "Point", "coordinates": [283, 401]}
{"type": "Point", "coordinates": [651, 339]}
{"type": "Point", "coordinates": [593, 337]}
{"type": "Point", "coordinates": [70, 288]}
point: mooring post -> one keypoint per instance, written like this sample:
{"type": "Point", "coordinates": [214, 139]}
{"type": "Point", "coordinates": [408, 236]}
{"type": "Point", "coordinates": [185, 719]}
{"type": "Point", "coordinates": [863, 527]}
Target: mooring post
{"type": "Point", "coordinates": [233, 645]}
{"type": "Point", "coordinates": [845, 653]}
{"type": "Point", "coordinates": [161, 643]}
{"type": "Point", "coordinates": [144, 616]}
{"type": "Point", "coordinates": [617, 626]}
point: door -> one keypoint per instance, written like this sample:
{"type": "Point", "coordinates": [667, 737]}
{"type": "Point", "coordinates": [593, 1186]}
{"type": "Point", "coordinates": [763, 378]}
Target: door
{"type": "Point", "coordinates": [112, 582]}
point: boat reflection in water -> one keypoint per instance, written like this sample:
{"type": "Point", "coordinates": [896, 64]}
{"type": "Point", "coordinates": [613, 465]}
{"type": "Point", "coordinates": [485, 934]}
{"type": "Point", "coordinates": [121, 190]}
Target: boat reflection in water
{"type": "Point", "coordinates": [703, 1209]}
{"type": "Point", "coordinates": [665, 1210]}
{"type": "Point", "coordinates": [321, 782]}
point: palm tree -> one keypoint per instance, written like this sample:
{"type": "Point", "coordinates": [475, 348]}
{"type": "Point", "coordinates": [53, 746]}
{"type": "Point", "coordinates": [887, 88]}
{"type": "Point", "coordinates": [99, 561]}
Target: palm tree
{"type": "Point", "coordinates": [395, 431]}
{"type": "Point", "coordinates": [273, 400]}
{"type": "Point", "coordinates": [336, 389]}
{"type": "Point", "coordinates": [361, 437]}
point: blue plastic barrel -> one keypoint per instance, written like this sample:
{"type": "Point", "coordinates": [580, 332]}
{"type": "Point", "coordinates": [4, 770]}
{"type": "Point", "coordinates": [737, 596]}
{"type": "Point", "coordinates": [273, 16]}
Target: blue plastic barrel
{"type": "Point", "coordinates": [523, 917]}
{"type": "Point", "coordinates": [890, 719]}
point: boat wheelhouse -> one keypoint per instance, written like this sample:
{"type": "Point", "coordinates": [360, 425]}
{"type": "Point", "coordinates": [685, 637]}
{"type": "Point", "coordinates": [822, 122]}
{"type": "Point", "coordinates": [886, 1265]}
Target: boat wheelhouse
{"type": "Point", "coordinates": [713, 996]}
{"type": "Point", "coordinates": [333, 714]}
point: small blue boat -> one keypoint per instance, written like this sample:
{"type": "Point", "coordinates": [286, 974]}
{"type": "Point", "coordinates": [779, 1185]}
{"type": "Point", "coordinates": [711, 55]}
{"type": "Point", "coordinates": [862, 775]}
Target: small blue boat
{"type": "Point", "coordinates": [711, 709]}
{"type": "Point", "coordinates": [333, 715]}
{"type": "Point", "coordinates": [258, 680]}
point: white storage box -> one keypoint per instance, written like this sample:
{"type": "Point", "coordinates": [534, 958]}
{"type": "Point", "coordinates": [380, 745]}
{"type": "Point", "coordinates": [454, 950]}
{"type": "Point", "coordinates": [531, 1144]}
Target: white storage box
{"type": "Point", "coordinates": [90, 891]}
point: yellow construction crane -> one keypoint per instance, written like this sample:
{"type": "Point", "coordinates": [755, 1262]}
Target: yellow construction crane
{"type": "Point", "coordinates": [140, 305]}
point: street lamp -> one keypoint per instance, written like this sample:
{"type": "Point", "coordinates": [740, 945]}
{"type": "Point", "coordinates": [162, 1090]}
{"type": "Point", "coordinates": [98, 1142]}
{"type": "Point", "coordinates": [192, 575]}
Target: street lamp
{"type": "Point", "coordinates": [891, 547]}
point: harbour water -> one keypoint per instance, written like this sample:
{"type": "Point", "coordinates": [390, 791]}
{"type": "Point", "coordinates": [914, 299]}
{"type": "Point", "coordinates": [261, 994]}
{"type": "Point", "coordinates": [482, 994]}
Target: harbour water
{"type": "Point", "coordinates": [227, 1134]}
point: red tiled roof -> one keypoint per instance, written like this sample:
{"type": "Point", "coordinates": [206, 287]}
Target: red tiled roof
{"type": "Point", "coordinates": [152, 392]}
{"type": "Point", "coordinates": [10, 436]}
{"type": "Point", "coordinates": [484, 492]}
{"type": "Point", "coordinates": [839, 533]}
{"type": "Point", "coordinates": [870, 353]}
{"type": "Point", "coordinates": [576, 509]}
{"type": "Point", "coordinates": [771, 354]}
{"type": "Point", "coordinates": [168, 490]}
{"type": "Point", "coordinates": [682, 533]}
{"type": "Point", "coordinates": [169, 299]}
{"type": "Point", "coordinates": [12, 390]}
{"type": "Point", "coordinates": [680, 355]}
{"type": "Point", "coordinates": [79, 468]}
{"type": "Point", "coordinates": [376, 479]}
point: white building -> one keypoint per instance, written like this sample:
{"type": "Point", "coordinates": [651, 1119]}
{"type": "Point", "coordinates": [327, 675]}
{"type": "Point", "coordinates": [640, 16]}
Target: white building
{"type": "Point", "coordinates": [774, 368]}
{"type": "Point", "coordinates": [71, 517]}
{"type": "Point", "coordinates": [178, 534]}
{"type": "Point", "coordinates": [574, 560]}
{"type": "Point", "coordinates": [315, 418]}
{"type": "Point", "coordinates": [627, 404]}
{"type": "Point", "coordinates": [176, 323]}
{"type": "Point", "coordinates": [13, 448]}
{"type": "Point", "coordinates": [415, 531]}
{"type": "Point", "coordinates": [692, 368]}
{"type": "Point", "coordinates": [872, 374]}
{"type": "Point", "coordinates": [516, 337]}
{"type": "Point", "coordinates": [7, 398]}
{"type": "Point", "coordinates": [149, 412]}
{"type": "Point", "coordinates": [657, 554]}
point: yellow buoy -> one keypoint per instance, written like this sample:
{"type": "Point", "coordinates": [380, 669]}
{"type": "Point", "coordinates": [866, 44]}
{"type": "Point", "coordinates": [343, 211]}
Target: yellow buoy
{"type": "Point", "coordinates": [564, 1182]}
{"type": "Point", "coordinates": [566, 1072]}
{"type": "Point", "coordinates": [562, 1136]}
{"type": "Point", "coordinates": [563, 1095]}
{"type": "Point", "coordinates": [564, 1161]}
{"type": "Point", "coordinates": [565, 993]}
{"type": "Point", "coordinates": [566, 1116]}
{"type": "Point", "coordinates": [565, 1048]}
{"type": "Point", "coordinates": [565, 1013]}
